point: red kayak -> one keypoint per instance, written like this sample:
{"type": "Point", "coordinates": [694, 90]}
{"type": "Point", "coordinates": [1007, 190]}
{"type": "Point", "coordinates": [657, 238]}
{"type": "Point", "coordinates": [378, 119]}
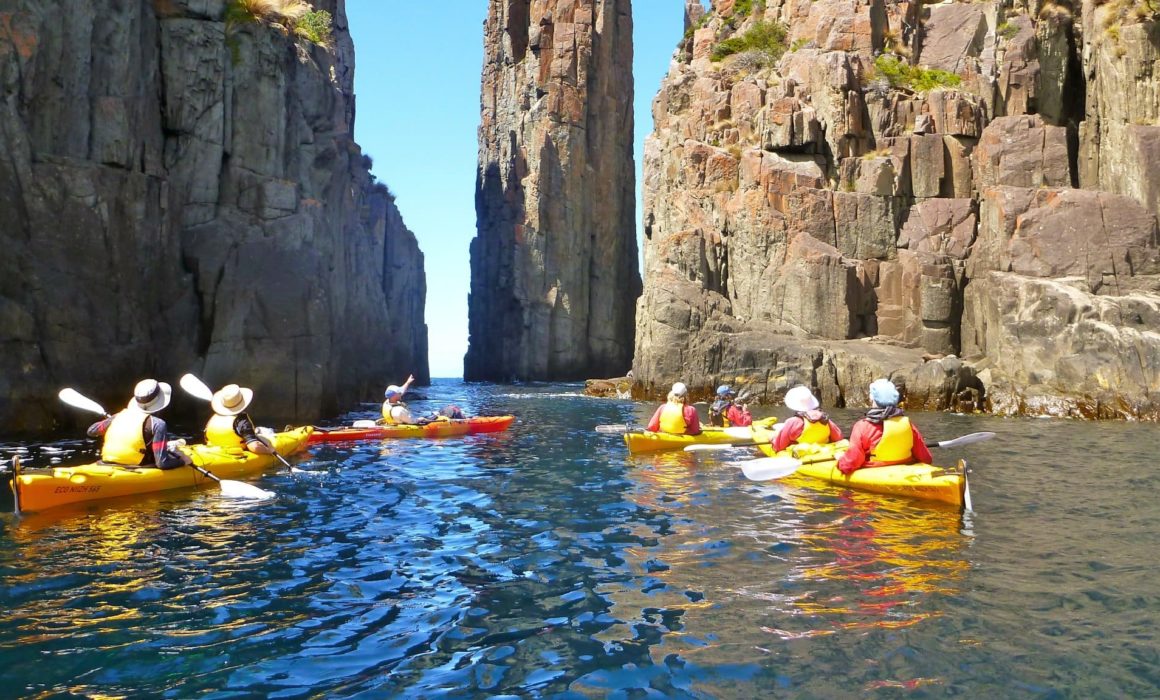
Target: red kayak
{"type": "Point", "coordinates": [434, 429]}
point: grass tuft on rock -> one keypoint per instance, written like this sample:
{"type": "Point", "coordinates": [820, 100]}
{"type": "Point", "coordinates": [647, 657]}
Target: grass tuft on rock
{"type": "Point", "coordinates": [903, 75]}
{"type": "Point", "coordinates": [768, 38]}
{"type": "Point", "coordinates": [296, 17]}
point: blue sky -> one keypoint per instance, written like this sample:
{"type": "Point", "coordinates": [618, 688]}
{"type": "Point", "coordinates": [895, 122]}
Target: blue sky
{"type": "Point", "coordinates": [417, 72]}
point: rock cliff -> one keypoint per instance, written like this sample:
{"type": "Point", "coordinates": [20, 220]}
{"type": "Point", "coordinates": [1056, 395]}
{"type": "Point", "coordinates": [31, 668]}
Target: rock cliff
{"type": "Point", "coordinates": [554, 271]}
{"type": "Point", "coordinates": [180, 192]}
{"type": "Point", "coordinates": [961, 196]}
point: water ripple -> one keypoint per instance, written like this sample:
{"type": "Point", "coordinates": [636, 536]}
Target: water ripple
{"type": "Point", "coordinates": [547, 562]}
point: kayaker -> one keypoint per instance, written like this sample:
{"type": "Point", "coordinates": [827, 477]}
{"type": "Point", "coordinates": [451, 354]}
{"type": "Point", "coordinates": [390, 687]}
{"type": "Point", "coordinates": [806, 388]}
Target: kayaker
{"type": "Point", "coordinates": [395, 412]}
{"type": "Point", "coordinates": [676, 416]}
{"type": "Point", "coordinates": [230, 426]}
{"type": "Point", "coordinates": [808, 424]}
{"type": "Point", "coordinates": [885, 436]}
{"type": "Point", "coordinates": [726, 411]}
{"type": "Point", "coordinates": [135, 437]}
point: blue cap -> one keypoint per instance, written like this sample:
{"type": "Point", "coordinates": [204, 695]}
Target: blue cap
{"type": "Point", "coordinates": [724, 390]}
{"type": "Point", "coordinates": [884, 393]}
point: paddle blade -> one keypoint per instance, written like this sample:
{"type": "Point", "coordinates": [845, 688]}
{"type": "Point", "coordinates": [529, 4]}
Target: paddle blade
{"type": "Point", "coordinates": [700, 447]}
{"type": "Point", "coordinates": [74, 398]}
{"type": "Point", "coordinates": [614, 429]}
{"type": "Point", "coordinates": [964, 440]}
{"type": "Point", "coordinates": [195, 387]}
{"type": "Point", "coordinates": [767, 468]}
{"type": "Point", "coordinates": [240, 489]}
{"type": "Point", "coordinates": [364, 424]}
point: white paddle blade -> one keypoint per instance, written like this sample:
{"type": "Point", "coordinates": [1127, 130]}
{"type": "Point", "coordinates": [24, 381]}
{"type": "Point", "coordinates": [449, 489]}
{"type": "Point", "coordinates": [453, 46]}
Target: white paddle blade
{"type": "Point", "coordinates": [617, 428]}
{"type": "Point", "coordinates": [768, 468]}
{"type": "Point", "coordinates": [701, 447]}
{"type": "Point", "coordinates": [74, 398]}
{"type": "Point", "coordinates": [240, 489]}
{"type": "Point", "coordinates": [196, 388]}
{"type": "Point", "coordinates": [966, 439]}
{"type": "Point", "coordinates": [363, 424]}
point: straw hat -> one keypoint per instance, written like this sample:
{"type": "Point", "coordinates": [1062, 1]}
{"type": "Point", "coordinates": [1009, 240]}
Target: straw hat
{"type": "Point", "coordinates": [231, 400]}
{"type": "Point", "coordinates": [801, 399]}
{"type": "Point", "coordinates": [151, 395]}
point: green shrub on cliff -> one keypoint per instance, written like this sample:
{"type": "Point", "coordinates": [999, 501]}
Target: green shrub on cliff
{"type": "Point", "coordinates": [293, 16]}
{"type": "Point", "coordinates": [903, 75]}
{"type": "Point", "coordinates": [742, 8]}
{"type": "Point", "coordinates": [315, 27]}
{"type": "Point", "coordinates": [769, 38]}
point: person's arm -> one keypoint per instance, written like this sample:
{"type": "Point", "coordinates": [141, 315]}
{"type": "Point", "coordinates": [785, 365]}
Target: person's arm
{"type": "Point", "coordinates": [790, 431]}
{"type": "Point", "coordinates": [98, 429]}
{"type": "Point", "coordinates": [920, 451]}
{"type": "Point", "coordinates": [835, 432]}
{"type": "Point", "coordinates": [407, 385]}
{"type": "Point", "coordinates": [654, 424]}
{"type": "Point", "coordinates": [692, 421]}
{"type": "Point", "coordinates": [855, 456]}
{"type": "Point", "coordinates": [402, 415]}
{"type": "Point", "coordinates": [244, 427]}
{"type": "Point", "coordinates": [163, 457]}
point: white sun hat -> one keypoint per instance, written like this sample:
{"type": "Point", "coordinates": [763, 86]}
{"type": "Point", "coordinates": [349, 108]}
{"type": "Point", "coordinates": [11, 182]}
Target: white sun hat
{"type": "Point", "coordinates": [801, 399]}
{"type": "Point", "coordinates": [151, 395]}
{"type": "Point", "coordinates": [231, 400]}
{"type": "Point", "coordinates": [679, 390]}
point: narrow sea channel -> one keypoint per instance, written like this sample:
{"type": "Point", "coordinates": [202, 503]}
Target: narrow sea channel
{"type": "Point", "coordinates": [546, 562]}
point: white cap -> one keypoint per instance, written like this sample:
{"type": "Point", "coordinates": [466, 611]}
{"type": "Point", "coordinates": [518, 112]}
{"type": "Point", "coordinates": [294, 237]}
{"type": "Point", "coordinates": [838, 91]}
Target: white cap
{"type": "Point", "coordinates": [679, 389]}
{"type": "Point", "coordinates": [801, 399]}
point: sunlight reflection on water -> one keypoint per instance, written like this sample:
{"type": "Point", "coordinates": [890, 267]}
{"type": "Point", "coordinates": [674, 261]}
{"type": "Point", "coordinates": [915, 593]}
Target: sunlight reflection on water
{"type": "Point", "coordinates": [546, 561]}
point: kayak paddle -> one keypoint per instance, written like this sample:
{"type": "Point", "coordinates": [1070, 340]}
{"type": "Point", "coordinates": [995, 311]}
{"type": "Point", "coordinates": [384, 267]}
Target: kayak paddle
{"type": "Point", "coordinates": [198, 389]}
{"type": "Point", "coordinates": [955, 442]}
{"type": "Point", "coordinates": [232, 489]}
{"type": "Point", "coordinates": [618, 428]}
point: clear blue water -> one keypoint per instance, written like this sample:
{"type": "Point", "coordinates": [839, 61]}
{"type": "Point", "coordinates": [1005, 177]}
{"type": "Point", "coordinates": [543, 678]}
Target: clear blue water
{"type": "Point", "coordinates": [547, 562]}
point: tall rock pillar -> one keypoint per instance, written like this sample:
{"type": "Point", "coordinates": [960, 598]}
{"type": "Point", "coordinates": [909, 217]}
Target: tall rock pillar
{"type": "Point", "coordinates": [554, 275]}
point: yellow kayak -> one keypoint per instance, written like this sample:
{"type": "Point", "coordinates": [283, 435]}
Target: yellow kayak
{"type": "Point", "coordinates": [922, 481]}
{"type": "Point", "coordinates": [39, 489]}
{"type": "Point", "coordinates": [647, 441]}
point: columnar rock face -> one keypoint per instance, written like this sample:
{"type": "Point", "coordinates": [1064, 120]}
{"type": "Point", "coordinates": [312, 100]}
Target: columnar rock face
{"type": "Point", "coordinates": [843, 211]}
{"type": "Point", "coordinates": [178, 194]}
{"type": "Point", "coordinates": [554, 274]}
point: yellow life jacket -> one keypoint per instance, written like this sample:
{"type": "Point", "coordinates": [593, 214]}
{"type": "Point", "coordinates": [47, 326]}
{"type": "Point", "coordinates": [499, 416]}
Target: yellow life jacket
{"type": "Point", "coordinates": [389, 419]}
{"type": "Point", "coordinates": [673, 419]}
{"type": "Point", "coordinates": [124, 438]}
{"type": "Point", "coordinates": [814, 433]}
{"type": "Point", "coordinates": [897, 443]}
{"type": "Point", "coordinates": [219, 432]}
